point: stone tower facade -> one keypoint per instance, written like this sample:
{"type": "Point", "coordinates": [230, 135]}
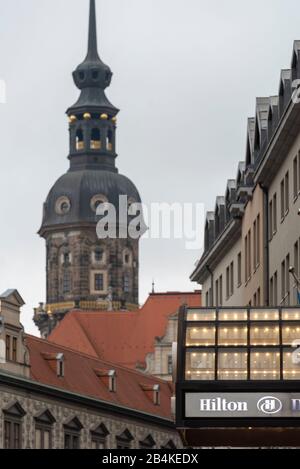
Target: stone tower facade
{"type": "Point", "coordinates": [83, 270]}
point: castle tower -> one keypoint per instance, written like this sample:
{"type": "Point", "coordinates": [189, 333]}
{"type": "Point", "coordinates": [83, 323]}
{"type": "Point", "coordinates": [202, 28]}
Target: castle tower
{"type": "Point", "coordinates": [82, 270]}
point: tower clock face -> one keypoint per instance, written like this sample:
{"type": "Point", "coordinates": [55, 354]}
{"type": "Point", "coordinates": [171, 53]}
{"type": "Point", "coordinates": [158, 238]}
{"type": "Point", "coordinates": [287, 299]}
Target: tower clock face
{"type": "Point", "coordinates": [63, 205]}
{"type": "Point", "coordinates": [97, 200]}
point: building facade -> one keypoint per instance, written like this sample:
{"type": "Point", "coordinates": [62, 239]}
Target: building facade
{"type": "Point", "coordinates": [34, 416]}
{"type": "Point", "coordinates": [44, 405]}
{"type": "Point", "coordinates": [84, 269]}
{"type": "Point", "coordinates": [238, 377]}
{"type": "Point", "coordinates": [251, 254]}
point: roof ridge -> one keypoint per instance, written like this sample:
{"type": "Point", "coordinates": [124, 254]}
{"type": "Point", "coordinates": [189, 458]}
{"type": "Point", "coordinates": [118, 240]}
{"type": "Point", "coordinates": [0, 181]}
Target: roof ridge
{"type": "Point", "coordinates": [59, 325]}
{"type": "Point", "coordinates": [91, 341]}
{"type": "Point", "coordinates": [85, 334]}
{"type": "Point", "coordinates": [82, 354]}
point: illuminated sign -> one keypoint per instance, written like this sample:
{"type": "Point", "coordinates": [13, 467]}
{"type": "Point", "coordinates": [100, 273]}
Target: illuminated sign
{"type": "Point", "coordinates": [242, 405]}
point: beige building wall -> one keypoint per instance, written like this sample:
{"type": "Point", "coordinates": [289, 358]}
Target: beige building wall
{"type": "Point", "coordinates": [267, 186]}
{"type": "Point", "coordinates": [285, 236]}
{"type": "Point", "coordinates": [227, 296]}
{"type": "Point", "coordinates": [252, 291]}
{"type": "Point", "coordinates": [14, 356]}
{"type": "Point", "coordinates": [248, 284]}
{"type": "Point", "coordinates": [159, 363]}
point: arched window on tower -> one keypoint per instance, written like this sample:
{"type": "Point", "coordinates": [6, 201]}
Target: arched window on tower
{"type": "Point", "coordinates": [126, 283]}
{"type": "Point", "coordinates": [99, 255]}
{"type": "Point", "coordinates": [66, 282]}
{"type": "Point", "coordinates": [79, 140]}
{"type": "Point", "coordinates": [109, 141]}
{"type": "Point", "coordinates": [127, 257]}
{"type": "Point", "coordinates": [95, 139]}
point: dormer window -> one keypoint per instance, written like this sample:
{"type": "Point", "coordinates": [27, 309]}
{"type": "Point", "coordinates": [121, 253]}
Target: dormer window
{"type": "Point", "coordinates": [95, 75]}
{"type": "Point", "coordinates": [112, 385]}
{"type": "Point", "coordinates": [156, 394]}
{"type": "Point", "coordinates": [60, 363]}
{"type": "Point", "coordinates": [152, 392]}
{"type": "Point", "coordinates": [56, 362]}
{"type": "Point", "coordinates": [81, 76]}
{"type": "Point", "coordinates": [109, 378]}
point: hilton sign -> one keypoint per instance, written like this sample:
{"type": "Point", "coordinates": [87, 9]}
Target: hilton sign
{"type": "Point", "coordinates": [235, 405]}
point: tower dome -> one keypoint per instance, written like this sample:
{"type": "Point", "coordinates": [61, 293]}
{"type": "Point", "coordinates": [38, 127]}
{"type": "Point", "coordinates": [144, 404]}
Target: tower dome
{"type": "Point", "coordinates": [82, 270]}
{"type": "Point", "coordinates": [74, 197]}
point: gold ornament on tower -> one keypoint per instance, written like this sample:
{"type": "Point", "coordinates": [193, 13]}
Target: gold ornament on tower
{"type": "Point", "coordinates": [72, 119]}
{"type": "Point", "coordinates": [87, 116]}
{"type": "Point", "coordinates": [104, 117]}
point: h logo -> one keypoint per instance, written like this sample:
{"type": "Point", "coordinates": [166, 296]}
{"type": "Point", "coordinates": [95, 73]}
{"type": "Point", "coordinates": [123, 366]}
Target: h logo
{"type": "Point", "coordinates": [269, 405]}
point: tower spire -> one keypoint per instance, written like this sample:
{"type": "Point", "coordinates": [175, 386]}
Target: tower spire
{"type": "Point", "coordinates": [93, 117]}
{"type": "Point", "coordinates": [92, 43]}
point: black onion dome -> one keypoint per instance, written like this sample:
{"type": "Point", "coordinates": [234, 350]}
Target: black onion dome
{"type": "Point", "coordinates": [79, 189]}
{"type": "Point", "coordinates": [92, 76]}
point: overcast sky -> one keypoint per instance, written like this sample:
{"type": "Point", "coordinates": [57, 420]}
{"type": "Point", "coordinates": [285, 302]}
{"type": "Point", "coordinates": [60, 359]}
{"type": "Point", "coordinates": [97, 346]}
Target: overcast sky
{"type": "Point", "coordinates": [186, 75]}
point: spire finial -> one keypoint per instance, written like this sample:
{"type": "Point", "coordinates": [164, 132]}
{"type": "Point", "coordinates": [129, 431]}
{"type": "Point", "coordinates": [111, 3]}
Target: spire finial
{"type": "Point", "coordinates": [153, 286]}
{"type": "Point", "coordinates": [92, 44]}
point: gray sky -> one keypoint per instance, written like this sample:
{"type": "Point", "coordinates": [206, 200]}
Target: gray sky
{"type": "Point", "coordinates": [186, 74]}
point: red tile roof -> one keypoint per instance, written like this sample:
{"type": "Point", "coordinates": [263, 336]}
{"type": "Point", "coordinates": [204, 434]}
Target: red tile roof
{"type": "Point", "coordinates": [121, 337]}
{"type": "Point", "coordinates": [81, 375]}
